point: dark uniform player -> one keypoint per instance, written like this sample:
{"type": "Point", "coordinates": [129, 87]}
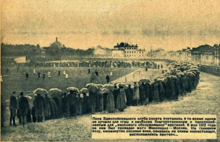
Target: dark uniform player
{"type": "Point", "coordinates": [38, 74]}
{"type": "Point", "coordinates": [96, 72]}
{"type": "Point", "coordinates": [13, 108]}
{"type": "Point", "coordinates": [107, 78]}
{"type": "Point", "coordinates": [43, 76]}
{"type": "Point", "coordinates": [27, 75]}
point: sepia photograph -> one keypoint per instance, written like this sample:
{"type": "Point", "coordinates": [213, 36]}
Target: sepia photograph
{"type": "Point", "coordinates": [114, 70]}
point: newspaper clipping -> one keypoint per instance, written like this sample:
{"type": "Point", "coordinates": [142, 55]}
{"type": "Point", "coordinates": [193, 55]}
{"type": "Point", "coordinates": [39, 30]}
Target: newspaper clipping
{"type": "Point", "coordinates": [113, 70]}
{"type": "Point", "coordinates": [154, 127]}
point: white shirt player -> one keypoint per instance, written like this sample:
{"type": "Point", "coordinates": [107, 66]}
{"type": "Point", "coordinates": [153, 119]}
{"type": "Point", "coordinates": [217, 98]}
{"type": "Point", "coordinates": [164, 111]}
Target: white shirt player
{"type": "Point", "coordinates": [67, 76]}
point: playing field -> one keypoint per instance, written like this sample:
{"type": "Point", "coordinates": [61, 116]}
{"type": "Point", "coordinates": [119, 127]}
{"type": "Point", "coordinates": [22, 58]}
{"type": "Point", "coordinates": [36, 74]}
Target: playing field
{"type": "Point", "coordinates": [78, 77]}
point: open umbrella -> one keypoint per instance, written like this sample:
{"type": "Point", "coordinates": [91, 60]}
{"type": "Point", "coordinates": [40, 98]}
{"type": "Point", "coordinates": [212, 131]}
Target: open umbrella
{"type": "Point", "coordinates": [173, 76]}
{"type": "Point", "coordinates": [123, 85]}
{"type": "Point", "coordinates": [40, 91]}
{"type": "Point", "coordinates": [74, 89]}
{"type": "Point", "coordinates": [28, 97]}
{"type": "Point", "coordinates": [32, 95]}
{"type": "Point", "coordinates": [92, 87]}
{"type": "Point", "coordinates": [103, 90]}
{"type": "Point", "coordinates": [111, 87]}
{"type": "Point", "coordinates": [99, 85]}
{"type": "Point", "coordinates": [160, 79]}
{"type": "Point", "coordinates": [145, 80]}
{"type": "Point", "coordinates": [89, 85]}
{"type": "Point", "coordinates": [84, 90]}
{"type": "Point", "coordinates": [194, 69]}
{"type": "Point", "coordinates": [180, 74]}
{"type": "Point", "coordinates": [55, 92]}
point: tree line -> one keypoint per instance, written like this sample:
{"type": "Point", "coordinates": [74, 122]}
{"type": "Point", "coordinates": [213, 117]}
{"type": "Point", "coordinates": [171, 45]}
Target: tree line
{"type": "Point", "coordinates": [36, 50]}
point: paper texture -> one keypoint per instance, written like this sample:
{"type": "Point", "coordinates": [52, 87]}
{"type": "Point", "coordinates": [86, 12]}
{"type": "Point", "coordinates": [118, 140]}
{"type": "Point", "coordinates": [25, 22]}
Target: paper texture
{"type": "Point", "coordinates": [64, 62]}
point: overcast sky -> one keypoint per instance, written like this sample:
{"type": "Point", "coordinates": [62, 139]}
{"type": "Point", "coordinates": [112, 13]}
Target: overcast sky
{"type": "Point", "coordinates": [168, 24]}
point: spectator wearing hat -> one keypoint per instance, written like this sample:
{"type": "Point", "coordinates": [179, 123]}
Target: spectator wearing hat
{"type": "Point", "coordinates": [23, 106]}
{"type": "Point", "coordinates": [13, 108]}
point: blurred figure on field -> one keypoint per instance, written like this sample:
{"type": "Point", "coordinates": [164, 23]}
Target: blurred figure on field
{"type": "Point", "coordinates": [67, 77]}
{"type": "Point", "coordinates": [49, 74]}
{"type": "Point", "coordinates": [96, 72]}
{"type": "Point", "coordinates": [34, 71]}
{"type": "Point", "coordinates": [93, 78]}
{"type": "Point", "coordinates": [107, 78]}
{"type": "Point", "coordinates": [7, 70]}
{"type": "Point", "coordinates": [26, 75]}
{"type": "Point", "coordinates": [38, 74]}
{"type": "Point", "coordinates": [43, 76]}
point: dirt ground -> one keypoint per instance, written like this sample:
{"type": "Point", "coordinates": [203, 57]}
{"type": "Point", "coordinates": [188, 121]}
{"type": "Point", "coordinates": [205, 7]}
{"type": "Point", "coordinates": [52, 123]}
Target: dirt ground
{"type": "Point", "coordinates": [204, 100]}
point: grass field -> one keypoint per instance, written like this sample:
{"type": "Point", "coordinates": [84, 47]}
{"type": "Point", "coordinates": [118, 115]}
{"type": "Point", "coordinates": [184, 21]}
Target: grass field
{"type": "Point", "coordinates": [78, 77]}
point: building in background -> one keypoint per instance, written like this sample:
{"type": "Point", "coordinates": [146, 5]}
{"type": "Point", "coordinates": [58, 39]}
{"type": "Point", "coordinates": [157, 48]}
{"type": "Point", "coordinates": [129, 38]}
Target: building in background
{"type": "Point", "coordinates": [184, 54]}
{"type": "Point", "coordinates": [57, 44]}
{"type": "Point", "coordinates": [206, 54]}
{"type": "Point", "coordinates": [128, 51]}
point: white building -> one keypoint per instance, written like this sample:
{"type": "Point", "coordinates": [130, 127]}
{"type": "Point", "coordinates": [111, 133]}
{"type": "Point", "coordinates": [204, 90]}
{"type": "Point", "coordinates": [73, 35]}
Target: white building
{"type": "Point", "coordinates": [128, 51]}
